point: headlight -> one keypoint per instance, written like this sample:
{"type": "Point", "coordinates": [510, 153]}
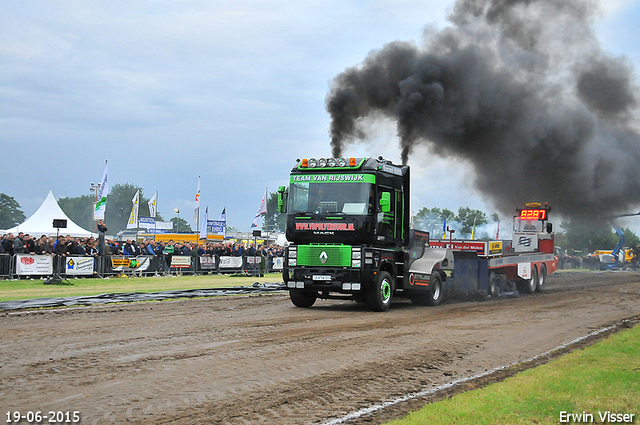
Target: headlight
{"type": "Point", "coordinates": [342, 162]}
{"type": "Point", "coordinates": [356, 255]}
{"type": "Point", "coordinates": [322, 162]}
{"type": "Point", "coordinates": [331, 162]}
{"type": "Point", "coordinates": [293, 262]}
{"type": "Point", "coordinates": [293, 254]}
{"type": "Point", "coordinates": [356, 263]}
{"type": "Point", "coordinates": [313, 162]}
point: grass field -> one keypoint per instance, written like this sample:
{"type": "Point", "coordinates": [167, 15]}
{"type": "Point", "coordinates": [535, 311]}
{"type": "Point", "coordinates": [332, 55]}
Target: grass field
{"type": "Point", "coordinates": [589, 383]}
{"type": "Point", "coordinates": [11, 290]}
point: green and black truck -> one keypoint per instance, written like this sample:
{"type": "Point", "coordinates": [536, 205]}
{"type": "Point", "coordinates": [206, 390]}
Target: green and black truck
{"type": "Point", "coordinates": [348, 228]}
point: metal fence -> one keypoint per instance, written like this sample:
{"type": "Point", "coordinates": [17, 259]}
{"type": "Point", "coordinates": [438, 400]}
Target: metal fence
{"type": "Point", "coordinates": [45, 266]}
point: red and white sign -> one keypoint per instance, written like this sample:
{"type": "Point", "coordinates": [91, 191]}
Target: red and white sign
{"type": "Point", "coordinates": [471, 246]}
{"type": "Point", "coordinates": [180, 262]}
{"type": "Point", "coordinates": [31, 265]}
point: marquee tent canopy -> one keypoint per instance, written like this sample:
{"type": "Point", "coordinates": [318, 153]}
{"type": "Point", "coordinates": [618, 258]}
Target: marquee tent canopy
{"type": "Point", "coordinates": [41, 222]}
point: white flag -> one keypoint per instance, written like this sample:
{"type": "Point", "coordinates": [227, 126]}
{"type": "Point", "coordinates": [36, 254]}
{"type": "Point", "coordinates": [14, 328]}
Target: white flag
{"type": "Point", "coordinates": [262, 209]}
{"type": "Point", "coordinates": [103, 191]}
{"type": "Point", "coordinates": [196, 210]}
{"type": "Point", "coordinates": [223, 215]}
{"type": "Point", "coordinates": [133, 218]}
{"type": "Point", "coordinates": [153, 205]}
{"type": "Point", "coordinates": [203, 229]}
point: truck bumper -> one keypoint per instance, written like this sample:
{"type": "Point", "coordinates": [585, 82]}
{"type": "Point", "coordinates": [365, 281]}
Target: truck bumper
{"type": "Point", "coordinates": [328, 279]}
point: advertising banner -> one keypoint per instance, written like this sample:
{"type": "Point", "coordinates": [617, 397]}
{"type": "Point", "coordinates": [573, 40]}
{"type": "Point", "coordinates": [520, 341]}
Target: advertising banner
{"type": "Point", "coordinates": [120, 263]}
{"type": "Point", "coordinates": [181, 261]}
{"type": "Point", "coordinates": [207, 263]}
{"type": "Point", "coordinates": [146, 222]}
{"type": "Point", "coordinates": [216, 227]}
{"type": "Point", "coordinates": [230, 262]}
{"type": "Point", "coordinates": [31, 265]}
{"type": "Point", "coordinates": [79, 266]}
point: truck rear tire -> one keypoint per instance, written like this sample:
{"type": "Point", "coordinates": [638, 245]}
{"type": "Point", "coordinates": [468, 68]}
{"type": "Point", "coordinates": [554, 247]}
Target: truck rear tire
{"type": "Point", "coordinates": [302, 299]}
{"type": "Point", "coordinates": [433, 296]}
{"type": "Point", "coordinates": [379, 297]}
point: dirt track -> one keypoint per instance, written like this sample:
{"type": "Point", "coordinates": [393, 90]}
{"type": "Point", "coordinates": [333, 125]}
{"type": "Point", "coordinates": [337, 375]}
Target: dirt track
{"type": "Point", "coordinates": [259, 360]}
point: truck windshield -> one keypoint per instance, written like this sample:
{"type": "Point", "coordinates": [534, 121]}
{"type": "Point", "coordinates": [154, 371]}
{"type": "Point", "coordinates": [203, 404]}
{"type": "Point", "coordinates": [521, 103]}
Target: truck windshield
{"type": "Point", "coordinates": [527, 225]}
{"type": "Point", "coordinates": [325, 198]}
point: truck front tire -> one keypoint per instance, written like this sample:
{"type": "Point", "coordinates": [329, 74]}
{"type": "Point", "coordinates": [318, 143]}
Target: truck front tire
{"type": "Point", "coordinates": [302, 299]}
{"type": "Point", "coordinates": [379, 297]}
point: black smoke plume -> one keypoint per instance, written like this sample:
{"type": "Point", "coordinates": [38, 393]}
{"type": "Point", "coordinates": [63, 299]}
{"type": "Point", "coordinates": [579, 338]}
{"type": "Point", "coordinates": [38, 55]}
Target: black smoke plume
{"type": "Point", "coordinates": [522, 90]}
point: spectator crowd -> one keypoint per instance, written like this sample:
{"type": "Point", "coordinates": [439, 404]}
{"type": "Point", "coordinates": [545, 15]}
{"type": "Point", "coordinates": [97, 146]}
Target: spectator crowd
{"type": "Point", "coordinates": [69, 246]}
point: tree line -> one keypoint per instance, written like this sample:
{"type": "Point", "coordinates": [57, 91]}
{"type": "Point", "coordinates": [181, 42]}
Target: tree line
{"type": "Point", "coordinates": [569, 235]}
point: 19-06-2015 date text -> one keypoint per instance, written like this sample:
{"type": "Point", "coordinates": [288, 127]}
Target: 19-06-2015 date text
{"type": "Point", "coordinates": [38, 417]}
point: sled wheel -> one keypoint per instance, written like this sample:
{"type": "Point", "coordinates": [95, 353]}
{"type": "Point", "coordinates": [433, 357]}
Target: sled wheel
{"type": "Point", "coordinates": [542, 278]}
{"type": "Point", "coordinates": [492, 285]}
{"type": "Point", "coordinates": [529, 285]}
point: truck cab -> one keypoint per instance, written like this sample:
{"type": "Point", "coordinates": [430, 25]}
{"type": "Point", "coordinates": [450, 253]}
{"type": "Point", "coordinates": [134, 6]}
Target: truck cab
{"type": "Point", "coordinates": [347, 222]}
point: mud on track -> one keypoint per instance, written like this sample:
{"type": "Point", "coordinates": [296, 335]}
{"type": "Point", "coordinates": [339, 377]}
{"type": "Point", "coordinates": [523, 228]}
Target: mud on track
{"type": "Point", "coordinates": [259, 360]}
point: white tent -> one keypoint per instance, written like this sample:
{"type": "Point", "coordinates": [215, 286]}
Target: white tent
{"type": "Point", "coordinates": [41, 222]}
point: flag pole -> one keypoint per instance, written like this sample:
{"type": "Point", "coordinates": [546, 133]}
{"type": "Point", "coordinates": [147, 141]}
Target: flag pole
{"type": "Point", "coordinates": [155, 219]}
{"type": "Point", "coordinates": [266, 207]}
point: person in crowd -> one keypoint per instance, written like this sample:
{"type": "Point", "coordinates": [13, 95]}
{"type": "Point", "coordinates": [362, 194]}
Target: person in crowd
{"type": "Point", "coordinates": [130, 248]}
{"type": "Point", "coordinates": [102, 231]}
{"type": "Point", "coordinates": [29, 244]}
{"type": "Point", "coordinates": [41, 245]}
{"type": "Point", "coordinates": [90, 248]}
{"type": "Point", "coordinates": [150, 249]}
{"type": "Point", "coordinates": [7, 243]}
{"type": "Point", "coordinates": [18, 244]}
{"type": "Point", "coordinates": [77, 247]}
{"type": "Point", "coordinates": [68, 245]}
{"type": "Point", "coordinates": [169, 249]}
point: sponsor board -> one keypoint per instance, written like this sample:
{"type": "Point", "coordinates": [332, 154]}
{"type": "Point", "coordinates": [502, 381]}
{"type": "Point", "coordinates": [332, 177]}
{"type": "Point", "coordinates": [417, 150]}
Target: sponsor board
{"type": "Point", "coordinates": [120, 263]}
{"type": "Point", "coordinates": [230, 262]}
{"type": "Point", "coordinates": [31, 265]}
{"type": "Point", "coordinates": [180, 262]}
{"type": "Point", "coordinates": [207, 263]}
{"type": "Point", "coordinates": [79, 266]}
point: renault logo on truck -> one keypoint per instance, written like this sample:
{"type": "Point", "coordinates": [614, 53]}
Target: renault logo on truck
{"type": "Point", "coordinates": [323, 257]}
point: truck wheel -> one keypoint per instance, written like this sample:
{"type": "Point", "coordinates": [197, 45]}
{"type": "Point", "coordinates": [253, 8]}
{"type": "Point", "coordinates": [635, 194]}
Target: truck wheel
{"type": "Point", "coordinates": [435, 295]}
{"type": "Point", "coordinates": [541, 278]}
{"type": "Point", "coordinates": [379, 297]}
{"type": "Point", "coordinates": [492, 285]}
{"type": "Point", "coordinates": [528, 286]}
{"type": "Point", "coordinates": [301, 298]}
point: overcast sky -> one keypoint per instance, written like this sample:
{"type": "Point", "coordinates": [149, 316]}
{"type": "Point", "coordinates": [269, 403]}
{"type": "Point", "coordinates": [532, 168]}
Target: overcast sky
{"type": "Point", "coordinates": [232, 91]}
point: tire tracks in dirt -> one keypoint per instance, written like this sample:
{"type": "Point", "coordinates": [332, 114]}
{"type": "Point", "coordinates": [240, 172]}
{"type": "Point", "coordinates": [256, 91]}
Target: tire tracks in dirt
{"type": "Point", "coordinates": [259, 360]}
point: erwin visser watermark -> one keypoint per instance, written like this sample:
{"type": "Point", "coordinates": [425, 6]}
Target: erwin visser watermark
{"type": "Point", "coordinates": [598, 417]}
